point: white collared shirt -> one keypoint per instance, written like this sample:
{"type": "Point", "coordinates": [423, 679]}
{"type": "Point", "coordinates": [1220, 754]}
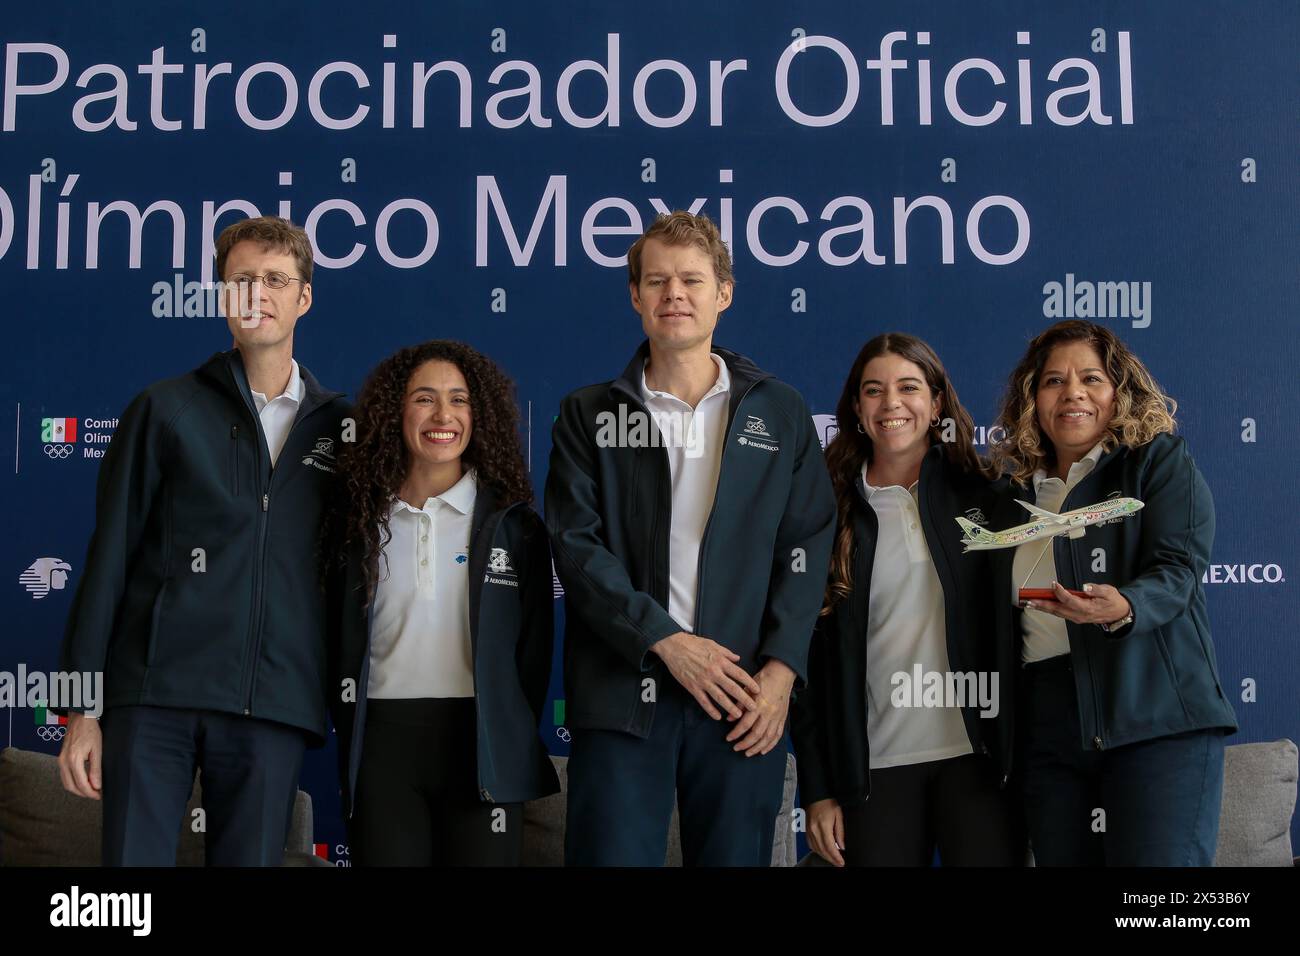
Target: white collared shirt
{"type": "Point", "coordinates": [694, 439]}
{"type": "Point", "coordinates": [419, 640]}
{"type": "Point", "coordinates": [906, 630]}
{"type": "Point", "coordinates": [1045, 634]}
{"type": "Point", "coordinates": [278, 414]}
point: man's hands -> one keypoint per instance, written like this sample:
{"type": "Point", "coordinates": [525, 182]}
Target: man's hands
{"type": "Point", "coordinates": [826, 830]}
{"type": "Point", "coordinates": [761, 729]}
{"type": "Point", "coordinates": [84, 743]}
{"type": "Point", "coordinates": [709, 673]}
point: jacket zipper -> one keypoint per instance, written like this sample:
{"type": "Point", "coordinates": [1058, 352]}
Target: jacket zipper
{"type": "Point", "coordinates": [658, 511]}
{"type": "Point", "coordinates": [264, 520]}
{"type": "Point", "coordinates": [234, 460]}
{"type": "Point", "coordinates": [704, 537]}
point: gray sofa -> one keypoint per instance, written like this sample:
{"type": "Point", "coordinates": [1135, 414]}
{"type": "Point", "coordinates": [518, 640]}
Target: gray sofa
{"type": "Point", "coordinates": [41, 824]}
{"type": "Point", "coordinates": [1259, 797]}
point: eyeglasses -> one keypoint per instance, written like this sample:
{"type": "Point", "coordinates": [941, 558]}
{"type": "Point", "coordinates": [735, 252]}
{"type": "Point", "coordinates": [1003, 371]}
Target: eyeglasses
{"type": "Point", "coordinates": [272, 280]}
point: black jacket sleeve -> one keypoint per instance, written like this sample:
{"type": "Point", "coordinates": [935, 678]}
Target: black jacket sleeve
{"type": "Point", "coordinates": [129, 484]}
{"type": "Point", "coordinates": [596, 584]}
{"type": "Point", "coordinates": [1176, 537]}
{"type": "Point", "coordinates": [807, 713]}
{"type": "Point", "coordinates": [801, 556]}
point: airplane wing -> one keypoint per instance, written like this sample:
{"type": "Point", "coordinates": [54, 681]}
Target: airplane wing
{"type": "Point", "coordinates": [1040, 513]}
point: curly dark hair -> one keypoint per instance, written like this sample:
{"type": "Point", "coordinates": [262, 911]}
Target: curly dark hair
{"type": "Point", "coordinates": [850, 448]}
{"type": "Point", "coordinates": [372, 469]}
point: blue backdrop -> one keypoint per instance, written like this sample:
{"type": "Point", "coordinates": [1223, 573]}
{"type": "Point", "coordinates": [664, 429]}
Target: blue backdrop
{"type": "Point", "coordinates": [933, 167]}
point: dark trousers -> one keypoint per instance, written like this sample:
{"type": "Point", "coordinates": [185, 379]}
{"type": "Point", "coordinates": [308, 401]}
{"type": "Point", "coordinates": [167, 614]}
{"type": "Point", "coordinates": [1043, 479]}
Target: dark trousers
{"type": "Point", "coordinates": [621, 791]}
{"type": "Point", "coordinates": [955, 805]}
{"type": "Point", "coordinates": [1151, 803]}
{"type": "Point", "coordinates": [248, 771]}
{"type": "Point", "coordinates": [417, 799]}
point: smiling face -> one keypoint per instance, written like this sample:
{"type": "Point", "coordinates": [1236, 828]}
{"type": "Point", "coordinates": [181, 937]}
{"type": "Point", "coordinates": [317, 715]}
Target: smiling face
{"type": "Point", "coordinates": [1075, 400]}
{"type": "Point", "coordinates": [895, 406]}
{"type": "Point", "coordinates": [679, 298]}
{"type": "Point", "coordinates": [274, 312]}
{"type": "Point", "coordinates": [436, 418]}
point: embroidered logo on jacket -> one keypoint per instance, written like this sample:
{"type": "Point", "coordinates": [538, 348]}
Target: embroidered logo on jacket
{"type": "Point", "coordinates": [975, 516]}
{"type": "Point", "coordinates": [757, 436]}
{"type": "Point", "coordinates": [499, 570]}
{"type": "Point", "coordinates": [322, 456]}
{"type": "Point", "coordinates": [1118, 518]}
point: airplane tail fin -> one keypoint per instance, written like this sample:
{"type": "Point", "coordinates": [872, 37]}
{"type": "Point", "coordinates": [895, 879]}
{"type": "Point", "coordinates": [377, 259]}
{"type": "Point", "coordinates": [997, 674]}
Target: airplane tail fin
{"type": "Point", "coordinates": [973, 532]}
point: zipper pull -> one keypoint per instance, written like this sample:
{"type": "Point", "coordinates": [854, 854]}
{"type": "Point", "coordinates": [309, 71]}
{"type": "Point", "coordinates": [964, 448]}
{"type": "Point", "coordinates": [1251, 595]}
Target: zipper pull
{"type": "Point", "coordinates": [266, 502]}
{"type": "Point", "coordinates": [234, 431]}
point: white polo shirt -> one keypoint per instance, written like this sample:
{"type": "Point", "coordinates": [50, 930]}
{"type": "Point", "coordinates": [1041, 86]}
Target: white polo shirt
{"type": "Point", "coordinates": [1045, 635]}
{"type": "Point", "coordinates": [277, 415]}
{"type": "Point", "coordinates": [694, 464]}
{"type": "Point", "coordinates": [419, 642]}
{"type": "Point", "coordinates": [906, 629]}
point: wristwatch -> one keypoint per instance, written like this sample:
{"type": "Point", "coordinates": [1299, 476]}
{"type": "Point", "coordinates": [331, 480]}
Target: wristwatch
{"type": "Point", "coordinates": [1116, 625]}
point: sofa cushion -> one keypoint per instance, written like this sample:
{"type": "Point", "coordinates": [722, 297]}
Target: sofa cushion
{"type": "Point", "coordinates": [1259, 798]}
{"type": "Point", "coordinates": [41, 824]}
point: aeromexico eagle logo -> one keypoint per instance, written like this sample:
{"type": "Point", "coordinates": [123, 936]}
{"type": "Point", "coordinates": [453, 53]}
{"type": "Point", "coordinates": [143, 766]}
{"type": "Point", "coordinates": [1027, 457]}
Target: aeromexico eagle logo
{"type": "Point", "coordinates": [322, 456]}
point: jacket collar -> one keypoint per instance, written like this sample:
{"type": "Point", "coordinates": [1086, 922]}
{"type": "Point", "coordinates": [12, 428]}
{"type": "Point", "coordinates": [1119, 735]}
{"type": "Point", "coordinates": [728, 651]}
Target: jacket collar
{"type": "Point", "coordinates": [227, 370]}
{"type": "Point", "coordinates": [744, 373]}
{"type": "Point", "coordinates": [934, 458]}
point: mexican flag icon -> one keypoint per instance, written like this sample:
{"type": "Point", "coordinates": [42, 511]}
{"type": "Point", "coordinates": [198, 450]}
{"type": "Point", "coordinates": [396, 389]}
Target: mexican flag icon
{"type": "Point", "coordinates": [58, 430]}
{"type": "Point", "coordinates": [46, 717]}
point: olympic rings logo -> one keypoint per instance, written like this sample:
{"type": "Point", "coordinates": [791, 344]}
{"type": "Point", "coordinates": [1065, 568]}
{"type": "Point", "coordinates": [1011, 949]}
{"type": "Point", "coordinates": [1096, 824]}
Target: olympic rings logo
{"type": "Point", "coordinates": [563, 734]}
{"type": "Point", "coordinates": [58, 451]}
{"type": "Point", "coordinates": [51, 733]}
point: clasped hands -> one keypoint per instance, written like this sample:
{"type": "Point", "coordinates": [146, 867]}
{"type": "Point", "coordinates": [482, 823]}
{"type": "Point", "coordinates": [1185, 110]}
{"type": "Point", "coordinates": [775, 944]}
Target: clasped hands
{"type": "Point", "coordinates": [713, 676]}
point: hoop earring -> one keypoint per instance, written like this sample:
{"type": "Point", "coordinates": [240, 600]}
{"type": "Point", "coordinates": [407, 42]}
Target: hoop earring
{"type": "Point", "coordinates": [935, 423]}
{"type": "Point", "coordinates": [861, 430]}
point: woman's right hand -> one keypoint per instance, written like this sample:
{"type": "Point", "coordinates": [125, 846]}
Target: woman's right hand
{"type": "Point", "coordinates": [826, 830]}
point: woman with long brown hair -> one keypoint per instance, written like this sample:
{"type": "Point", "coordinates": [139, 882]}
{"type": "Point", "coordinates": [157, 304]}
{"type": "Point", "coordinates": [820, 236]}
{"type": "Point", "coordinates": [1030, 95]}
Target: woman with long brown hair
{"type": "Point", "coordinates": [1119, 713]}
{"type": "Point", "coordinates": [442, 654]}
{"type": "Point", "coordinates": [902, 694]}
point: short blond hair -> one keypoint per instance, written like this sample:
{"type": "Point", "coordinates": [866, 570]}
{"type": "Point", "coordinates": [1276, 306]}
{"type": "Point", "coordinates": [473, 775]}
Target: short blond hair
{"type": "Point", "coordinates": [682, 228]}
{"type": "Point", "coordinates": [271, 232]}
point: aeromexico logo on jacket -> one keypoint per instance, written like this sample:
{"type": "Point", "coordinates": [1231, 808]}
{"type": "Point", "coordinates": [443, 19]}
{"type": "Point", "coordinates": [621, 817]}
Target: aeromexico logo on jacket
{"type": "Point", "coordinates": [322, 456]}
{"type": "Point", "coordinates": [500, 570]}
{"type": "Point", "coordinates": [756, 435]}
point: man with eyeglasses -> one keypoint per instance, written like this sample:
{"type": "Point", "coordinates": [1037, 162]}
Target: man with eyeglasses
{"type": "Point", "coordinates": [200, 602]}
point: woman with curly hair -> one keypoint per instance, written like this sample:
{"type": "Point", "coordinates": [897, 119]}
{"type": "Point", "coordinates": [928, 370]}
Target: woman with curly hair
{"type": "Point", "coordinates": [904, 606]}
{"type": "Point", "coordinates": [442, 577]}
{"type": "Point", "coordinates": [1120, 715]}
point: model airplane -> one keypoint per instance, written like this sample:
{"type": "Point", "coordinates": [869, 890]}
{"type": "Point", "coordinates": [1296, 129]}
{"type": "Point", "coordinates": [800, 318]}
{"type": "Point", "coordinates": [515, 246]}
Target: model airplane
{"type": "Point", "coordinates": [1046, 525]}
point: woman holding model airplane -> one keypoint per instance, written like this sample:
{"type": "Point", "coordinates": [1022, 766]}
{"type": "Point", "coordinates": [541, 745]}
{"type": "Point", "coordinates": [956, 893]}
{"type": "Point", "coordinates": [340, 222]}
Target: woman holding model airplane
{"type": "Point", "coordinates": [903, 607]}
{"type": "Point", "coordinates": [1119, 715]}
